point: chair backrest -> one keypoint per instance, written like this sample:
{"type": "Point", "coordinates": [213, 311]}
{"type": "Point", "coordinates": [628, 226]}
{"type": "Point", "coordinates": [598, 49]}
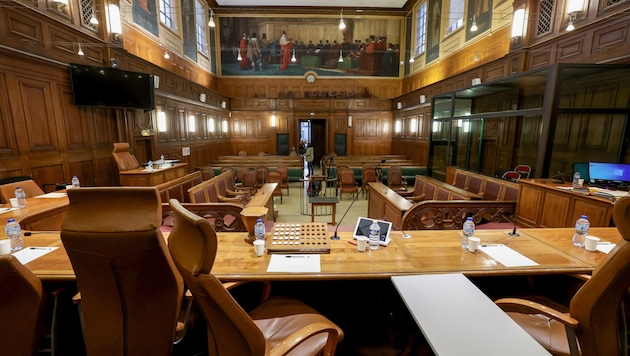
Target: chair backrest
{"type": "Point", "coordinates": [429, 191]}
{"type": "Point", "coordinates": [284, 171]}
{"type": "Point", "coordinates": [249, 178]}
{"type": "Point", "coordinates": [242, 153]}
{"type": "Point", "coordinates": [193, 245]}
{"type": "Point", "coordinates": [418, 187]}
{"type": "Point", "coordinates": [239, 173]}
{"type": "Point", "coordinates": [123, 158]}
{"type": "Point", "coordinates": [347, 178]}
{"type": "Point", "coordinates": [460, 181]}
{"type": "Point", "coordinates": [207, 173]}
{"type": "Point", "coordinates": [21, 307]}
{"type": "Point", "coordinates": [31, 189]}
{"type": "Point", "coordinates": [524, 170]}
{"type": "Point", "coordinates": [131, 291]}
{"type": "Point", "coordinates": [491, 191]}
{"type": "Point", "coordinates": [596, 304]}
{"type": "Point", "coordinates": [511, 175]}
{"type": "Point", "coordinates": [474, 184]}
{"type": "Point", "coordinates": [394, 177]}
{"type": "Point", "coordinates": [276, 177]}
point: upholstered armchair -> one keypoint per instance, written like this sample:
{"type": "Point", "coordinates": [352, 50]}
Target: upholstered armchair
{"type": "Point", "coordinates": [123, 158]}
{"type": "Point", "coordinates": [276, 327]}
{"type": "Point", "coordinates": [31, 189]}
{"type": "Point", "coordinates": [347, 184]}
{"type": "Point", "coordinates": [130, 289]}
{"type": "Point", "coordinates": [591, 326]}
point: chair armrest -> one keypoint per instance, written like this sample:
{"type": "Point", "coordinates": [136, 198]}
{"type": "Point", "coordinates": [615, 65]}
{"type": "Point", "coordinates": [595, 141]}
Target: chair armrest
{"type": "Point", "coordinates": [524, 306]}
{"type": "Point", "coordinates": [304, 334]}
{"type": "Point", "coordinates": [416, 198]}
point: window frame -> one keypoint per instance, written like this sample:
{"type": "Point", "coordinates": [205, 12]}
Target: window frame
{"type": "Point", "coordinates": [421, 29]}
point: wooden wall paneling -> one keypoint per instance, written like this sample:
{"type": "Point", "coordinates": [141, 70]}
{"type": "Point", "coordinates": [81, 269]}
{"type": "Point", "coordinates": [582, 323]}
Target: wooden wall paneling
{"type": "Point", "coordinates": [39, 132]}
{"type": "Point", "coordinates": [71, 123]}
{"type": "Point", "coordinates": [8, 144]}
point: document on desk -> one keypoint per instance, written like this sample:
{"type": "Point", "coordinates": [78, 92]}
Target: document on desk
{"type": "Point", "coordinates": [28, 254]}
{"type": "Point", "coordinates": [294, 263]}
{"type": "Point", "coordinates": [6, 210]}
{"type": "Point", "coordinates": [52, 195]}
{"type": "Point", "coordinates": [506, 256]}
{"type": "Point", "coordinates": [605, 247]}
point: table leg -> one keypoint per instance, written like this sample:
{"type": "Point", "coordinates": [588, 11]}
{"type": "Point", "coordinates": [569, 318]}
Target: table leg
{"type": "Point", "coordinates": [334, 212]}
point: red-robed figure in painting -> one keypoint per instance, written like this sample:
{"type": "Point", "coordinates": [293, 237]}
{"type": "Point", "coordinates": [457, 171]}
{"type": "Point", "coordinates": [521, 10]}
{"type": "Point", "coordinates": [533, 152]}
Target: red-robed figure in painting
{"type": "Point", "coordinates": [243, 48]}
{"type": "Point", "coordinates": [285, 50]}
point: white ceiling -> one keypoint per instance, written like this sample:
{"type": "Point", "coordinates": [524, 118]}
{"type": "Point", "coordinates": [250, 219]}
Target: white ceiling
{"type": "Point", "coordinates": [394, 4]}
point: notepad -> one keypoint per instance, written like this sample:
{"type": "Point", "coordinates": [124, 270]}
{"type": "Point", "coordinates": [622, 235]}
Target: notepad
{"type": "Point", "coordinates": [29, 254]}
{"type": "Point", "coordinates": [605, 247]}
{"type": "Point", "coordinates": [506, 256]}
{"type": "Point", "coordinates": [294, 263]}
{"type": "Point", "coordinates": [6, 210]}
{"type": "Point", "coordinates": [52, 195]}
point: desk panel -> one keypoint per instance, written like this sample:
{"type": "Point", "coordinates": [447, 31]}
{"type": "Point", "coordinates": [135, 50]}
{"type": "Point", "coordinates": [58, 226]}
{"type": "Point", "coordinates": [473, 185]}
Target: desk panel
{"type": "Point", "coordinates": [139, 177]}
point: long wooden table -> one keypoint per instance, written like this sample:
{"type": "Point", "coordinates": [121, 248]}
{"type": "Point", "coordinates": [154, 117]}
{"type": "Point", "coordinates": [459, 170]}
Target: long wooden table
{"type": "Point", "coordinates": [425, 252]}
{"type": "Point", "coordinates": [140, 176]}
{"type": "Point", "coordinates": [41, 213]}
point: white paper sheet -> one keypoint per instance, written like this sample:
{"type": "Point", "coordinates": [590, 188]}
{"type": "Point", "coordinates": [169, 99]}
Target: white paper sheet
{"type": "Point", "coordinates": [294, 263]}
{"type": "Point", "coordinates": [506, 256]}
{"type": "Point", "coordinates": [605, 247]}
{"type": "Point", "coordinates": [52, 195]}
{"type": "Point", "coordinates": [29, 254]}
{"type": "Point", "coordinates": [6, 210]}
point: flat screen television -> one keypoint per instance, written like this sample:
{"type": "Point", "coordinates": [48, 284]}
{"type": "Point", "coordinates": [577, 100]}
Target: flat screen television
{"type": "Point", "coordinates": [111, 87]}
{"type": "Point", "coordinates": [604, 173]}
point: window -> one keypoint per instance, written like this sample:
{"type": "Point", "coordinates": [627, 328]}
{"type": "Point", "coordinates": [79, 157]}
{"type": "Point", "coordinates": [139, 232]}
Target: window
{"type": "Point", "coordinates": [421, 29]}
{"type": "Point", "coordinates": [167, 14]}
{"type": "Point", "coordinates": [455, 15]}
{"type": "Point", "coordinates": [87, 14]}
{"type": "Point", "coordinates": [201, 26]}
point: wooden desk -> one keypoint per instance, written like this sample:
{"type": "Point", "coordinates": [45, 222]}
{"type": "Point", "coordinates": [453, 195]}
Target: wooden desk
{"type": "Point", "coordinates": [456, 318]}
{"type": "Point", "coordinates": [541, 204]}
{"type": "Point", "coordinates": [426, 252]}
{"type": "Point", "coordinates": [264, 198]}
{"type": "Point", "coordinates": [385, 204]}
{"type": "Point", "coordinates": [39, 214]}
{"type": "Point", "coordinates": [139, 177]}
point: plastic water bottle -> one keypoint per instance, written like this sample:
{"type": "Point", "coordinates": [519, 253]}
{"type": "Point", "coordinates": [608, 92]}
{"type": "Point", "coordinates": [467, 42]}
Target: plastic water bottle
{"type": "Point", "coordinates": [576, 180]}
{"type": "Point", "coordinates": [161, 161]}
{"type": "Point", "coordinates": [21, 197]}
{"type": "Point", "coordinates": [259, 230]}
{"type": "Point", "coordinates": [150, 166]}
{"type": "Point", "coordinates": [14, 234]}
{"type": "Point", "coordinates": [75, 182]}
{"type": "Point", "coordinates": [375, 235]}
{"type": "Point", "coordinates": [581, 230]}
{"type": "Point", "coordinates": [468, 230]}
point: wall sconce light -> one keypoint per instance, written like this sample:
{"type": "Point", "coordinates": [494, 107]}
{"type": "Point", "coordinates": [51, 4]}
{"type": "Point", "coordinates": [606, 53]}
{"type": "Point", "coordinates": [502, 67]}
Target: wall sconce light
{"type": "Point", "coordinates": [114, 22]}
{"type": "Point", "coordinates": [414, 125]}
{"type": "Point", "coordinates": [293, 59]}
{"type": "Point", "coordinates": [473, 28]}
{"type": "Point", "coordinates": [192, 127]}
{"type": "Point", "coordinates": [166, 55]}
{"type": "Point", "coordinates": [161, 121]}
{"type": "Point", "coordinates": [93, 19]}
{"type": "Point", "coordinates": [460, 122]}
{"type": "Point", "coordinates": [224, 126]}
{"type": "Point", "coordinates": [570, 26]}
{"type": "Point", "coordinates": [476, 81]}
{"type": "Point", "coordinates": [80, 51]}
{"type": "Point", "coordinates": [467, 126]}
{"type": "Point", "coordinates": [476, 58]}
{"type": "Point", "coordinates": [211, 124]}
{"type": "Point", "coordinates": [423, 99]}
{"type": "Point", "coordinates": [342, 24]}
{"type": "Point", "coordinates": [411, 59]}
{"type": "Point", "coordinates": [202, 97]}
{"type": "Point", "coordinates": [211, 22]}
{"type": "Point", "coordinates": [62, 2]}
{"type": "Point", "coordinates": [518, 24]}
{"type": "Point", "coordinates": [341, 56]}
{"type": "Point", "coordinates": [574, 7]}
{"type": "Point", "coordinates": [273, 120]}
{"type": "Point", "coordinates": [399, 105]}
{"type": "Point", "coordinates": [349, 120]}
{"type": "Point", "coordinates": [223, 104]}
{"type": "Point", "coordinates": [156, 81]}
{"type": "Point", "coordinates": [397, 126]}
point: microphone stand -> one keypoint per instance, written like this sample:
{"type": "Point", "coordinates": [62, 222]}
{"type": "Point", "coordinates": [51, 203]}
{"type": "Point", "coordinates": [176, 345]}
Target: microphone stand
{"type": "Point", "coordinates": [335, 236]}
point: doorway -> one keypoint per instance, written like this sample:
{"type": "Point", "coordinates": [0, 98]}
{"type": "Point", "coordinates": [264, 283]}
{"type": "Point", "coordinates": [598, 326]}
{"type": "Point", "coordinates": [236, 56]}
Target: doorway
{"type": "Point", "coordinates": [314, 132]}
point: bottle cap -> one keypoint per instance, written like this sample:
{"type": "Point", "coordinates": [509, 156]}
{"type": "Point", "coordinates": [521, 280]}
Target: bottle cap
{"type": "Point", "coordinates": [259, 220]}
{"type": "Point", "coordinates": [10, 220]}
{"type": "Point", "coordinates": [469, 218]}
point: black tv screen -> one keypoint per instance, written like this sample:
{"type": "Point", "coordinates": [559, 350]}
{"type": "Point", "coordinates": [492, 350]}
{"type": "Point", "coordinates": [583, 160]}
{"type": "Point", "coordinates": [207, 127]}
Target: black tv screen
{"type": "Point", "coordinates": [111, 87]}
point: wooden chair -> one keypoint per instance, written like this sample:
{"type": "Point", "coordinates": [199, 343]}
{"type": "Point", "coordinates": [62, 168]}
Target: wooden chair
{"type": "Point", "coordinates": [124, 160]}
{"type": "Point", "coordinates": [593, 316]}
{"type": "Point", "coordinates": [511, 176]}
{"type": "Point", "coordinates": [395, 180]}
{"type": "Point", "coordinates": [207, 173]}
{"type": "Point", "coordinates": [370, 174]}
{"type": "Point", "coordinates": [275, 327]}
{"type": "Point", "coordinates": [130, 289]}
{"type": "Point", "coordinates": [418, 191]}
{"type": "Point", "coordinates": [31, 189]}
{"type": "Point", "coordinates": [284, 171]}
{"type": "Point", "coordinates": [524, 170]}
{"type": "Point", "coordinates": [276, 177]}
{"type": "Point", "coordinates": [249, 179]}
{"type": "Point", "coordinates": [262, 175]}
{"type": "Point", "coordinates": [347, 184]}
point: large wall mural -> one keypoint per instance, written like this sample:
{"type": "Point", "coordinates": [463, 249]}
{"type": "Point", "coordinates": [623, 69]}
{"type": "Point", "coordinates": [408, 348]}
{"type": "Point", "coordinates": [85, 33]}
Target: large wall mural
{"type": "Point", "coordinates": [293, 46]}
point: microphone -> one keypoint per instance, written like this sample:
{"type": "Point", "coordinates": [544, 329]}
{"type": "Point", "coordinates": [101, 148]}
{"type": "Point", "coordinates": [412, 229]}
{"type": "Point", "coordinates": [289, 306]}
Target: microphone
{"type": "Point", "coordinates": [561, 177]}
{"type": "Point", "coordinates": [335, 236]}
{"type": "Point", "coordinates": [513, 233]}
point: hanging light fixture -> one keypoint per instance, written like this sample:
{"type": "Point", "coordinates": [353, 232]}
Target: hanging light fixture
{"type": "Point", "coordinates": [166, 55]}
{"type": "Point", "coordinates": [342, 24]}
{"type": "Point", "coordinates": [293, 59]}
{"type": "Point", "coordinates": [473, 28]}
{"type": "Point", "coordinates": [341, 56]}
{"type": "Point", "coordinates": [211, 22]}
{"type": "Point", "coordinates": [93, 19]}
{"type": "Point", "coordinates": [411, 59]}
{"type": "Point", "coordinates": [80, 51]}
{"type": "Point", "coordinates": [570, 26]}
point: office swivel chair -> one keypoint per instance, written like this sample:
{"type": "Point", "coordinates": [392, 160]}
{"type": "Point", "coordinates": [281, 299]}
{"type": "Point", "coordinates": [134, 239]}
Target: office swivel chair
{"type": "Point", "coordinates": [593, 317]}
{"type": "Point", "coordinates": [123, 158]}
{"type": "Point", "coordinates": [31, 189]}
{"type": "Point", "coordinates": [130, 289]}
{"type": "Point", "coordinates": [276, 327]}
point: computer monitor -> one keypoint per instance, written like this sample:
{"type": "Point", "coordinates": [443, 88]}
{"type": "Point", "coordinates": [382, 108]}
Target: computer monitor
{"type": "Point", "coordinates": [604, 173]}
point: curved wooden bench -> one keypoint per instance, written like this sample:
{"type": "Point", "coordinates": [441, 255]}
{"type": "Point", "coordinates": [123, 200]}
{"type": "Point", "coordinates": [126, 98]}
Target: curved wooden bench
{"type": "Point", "coordinates": [451, 214]}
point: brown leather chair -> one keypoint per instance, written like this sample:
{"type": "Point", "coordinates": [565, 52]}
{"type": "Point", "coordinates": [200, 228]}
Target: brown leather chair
{"type": "Point", "coordinates": [21, 308]}
{"type": "Point", "coordinates": [347, 184]}
{"type": "Point", "coordinates": [275, 327]}
{"type": "Point", "coordinates": [395, 180]}
{"type": "Point", "coordinates": [31, 189]}
{"type": "Point", "coordinates": [370, 174]}
{"type": "Point", "coordinates": [284, 171]}
{"type": "Point", "coordinates": [123, 158]}
{"type": "Point", "coordinates": [276, 177]}
{"type": "Point", "coordinates": [593, 313]}
{"type": "Point", "coordinates": [130, 289]}
{"type": "Point", "coordinates": [418, 191]}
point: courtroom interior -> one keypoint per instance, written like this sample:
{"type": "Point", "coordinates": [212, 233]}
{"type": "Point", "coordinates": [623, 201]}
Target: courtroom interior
{"type": "Point", "coordinates": [141, 142]}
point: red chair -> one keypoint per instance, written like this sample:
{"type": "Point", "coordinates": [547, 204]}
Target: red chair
{"type": "Point", "coordinates": [524, 170]}
{"type": "Point", "coordinates": [511, 175]}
